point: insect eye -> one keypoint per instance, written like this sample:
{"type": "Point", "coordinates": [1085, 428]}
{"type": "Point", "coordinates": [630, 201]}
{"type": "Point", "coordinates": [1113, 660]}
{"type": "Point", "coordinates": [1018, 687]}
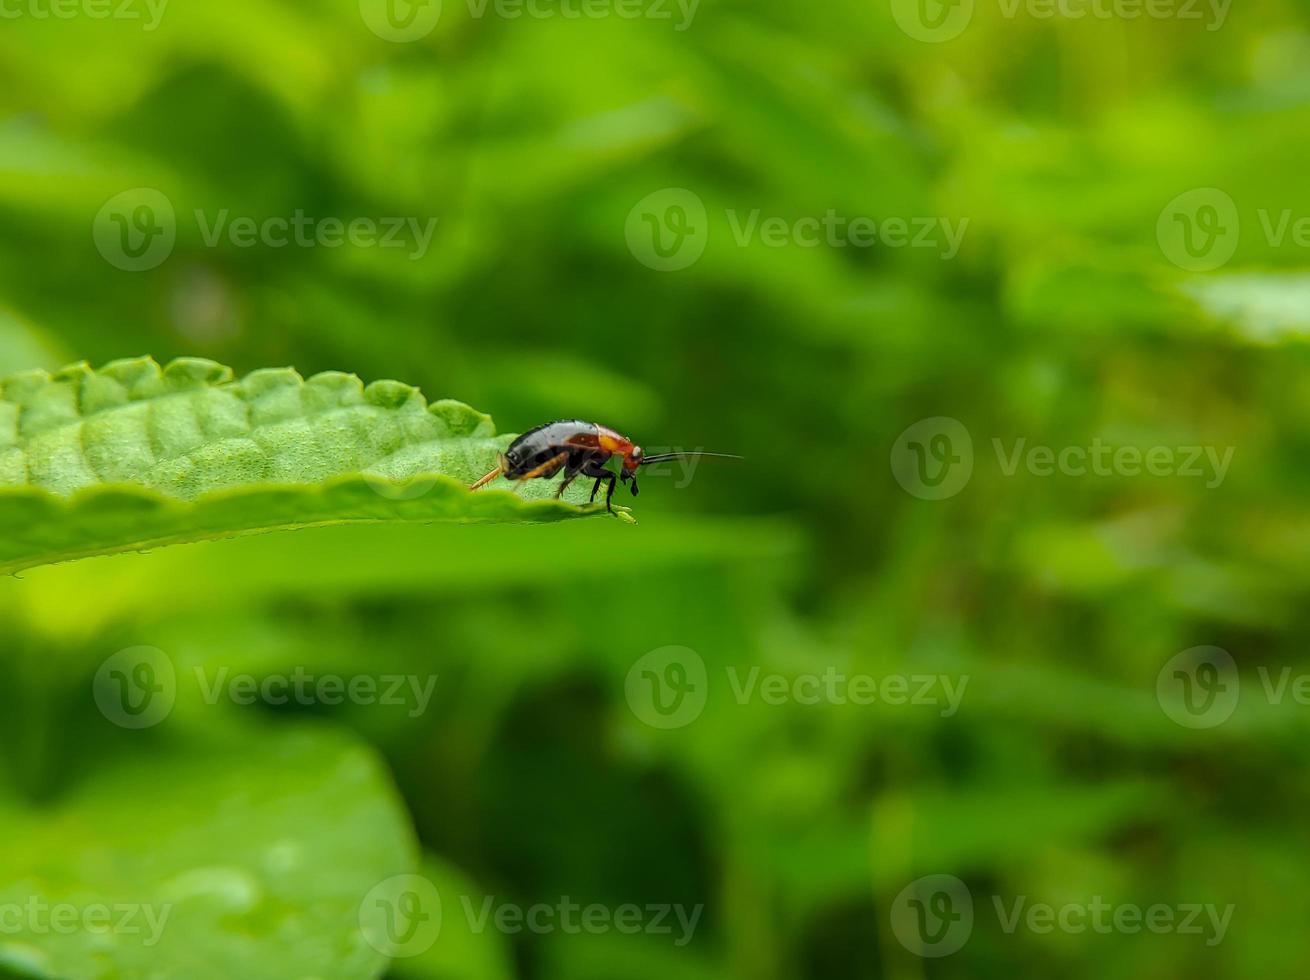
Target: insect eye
{"type": "Point", "coordinates": [636, 455]}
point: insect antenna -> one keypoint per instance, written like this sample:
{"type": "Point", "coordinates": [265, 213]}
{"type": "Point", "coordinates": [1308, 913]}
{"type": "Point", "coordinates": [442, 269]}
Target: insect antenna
{"type": "Point", "coordinates": [661, 457]}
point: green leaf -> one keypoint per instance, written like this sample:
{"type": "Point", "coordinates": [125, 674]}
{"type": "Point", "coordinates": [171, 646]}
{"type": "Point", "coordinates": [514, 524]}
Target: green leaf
{"type": "Point", "coordinates": [251, 858]}
{"type": "Point", "coordinates": [134, 456]}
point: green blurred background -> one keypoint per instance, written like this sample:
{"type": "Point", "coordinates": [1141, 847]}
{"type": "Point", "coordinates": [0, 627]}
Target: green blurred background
{"type": "Point", "coordinates": [600, 185]}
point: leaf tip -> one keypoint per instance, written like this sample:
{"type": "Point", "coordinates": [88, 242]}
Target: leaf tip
{"type": "Point", "coordinates": [461, 419]}
{"type": "Point", "coordinates": [196, 372]}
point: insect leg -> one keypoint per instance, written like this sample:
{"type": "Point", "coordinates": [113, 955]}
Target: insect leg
{"type": "Point", "coordinates": [545, 468]}
{"type": "Point", "coordinates": [572, 468]}
{"type": "Point", "coordinates": [596, 469]}
{"type": "Point", "coordinates": [569, 476]}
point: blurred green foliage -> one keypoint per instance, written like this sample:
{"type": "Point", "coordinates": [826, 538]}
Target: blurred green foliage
{"type": "Point", "coordinates": [1073, 312]}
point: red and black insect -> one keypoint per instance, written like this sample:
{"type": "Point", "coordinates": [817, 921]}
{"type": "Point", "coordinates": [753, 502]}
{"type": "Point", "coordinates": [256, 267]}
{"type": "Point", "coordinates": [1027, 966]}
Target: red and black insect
{"type": "Point", "coordinates": [578, 448]}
